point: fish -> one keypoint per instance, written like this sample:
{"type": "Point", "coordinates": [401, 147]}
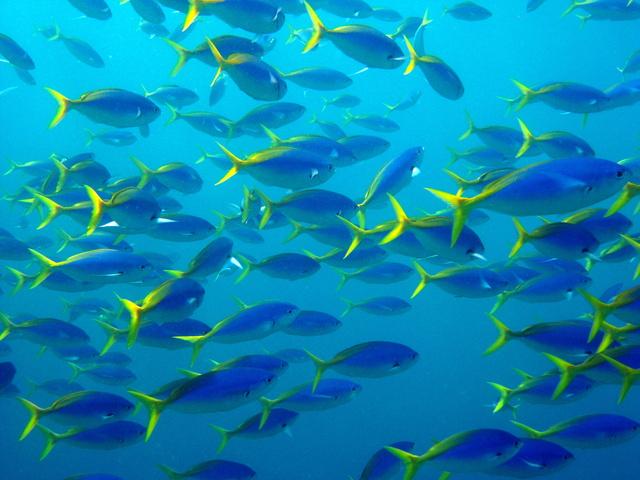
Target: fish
{"type": "Point", "coordinates": [256, 78]}
{"type": "Point", "coordinates": [85, 408]}
{"type": "Point", "coordinates": [442, 78]}
{"type": "Point", "coordinates": [114, 107]}
{"type": "Point", "coordinates": [213, 469]}
{"type": "Point", "coordinates": [109, 436]}
{"type": "Point", "coordinates": [588, 431]}
{"type": "Point", "coordinates": [382, 306]}
{"type": "Point", "coordinates": [370, 359]}
{"type": "Point", "coordinates": [210, 392]}
{"type": "Point", "coordinates": [535, 458]}
{"type": "Point", "coordinates": [468, 11]}
{"type": "Point", "coordinates": [471, 451]}
{"type": "Point", "coordinates": [15, 54]}
{"type": "Point", "coordinates": [77, 47]}
{"type": "Point", "coordinates": [363, 43]}
{"type": "Point", "coordinates": [279, 420]}
{"type": "Point", "coordinates": [98, 9]}
{"type": "Point", "coordinates": [383, 464]}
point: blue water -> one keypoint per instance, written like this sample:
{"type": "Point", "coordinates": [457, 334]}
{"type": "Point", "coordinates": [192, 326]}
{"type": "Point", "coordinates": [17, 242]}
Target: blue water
{"type": "Point", "coordinates": [446, 391]}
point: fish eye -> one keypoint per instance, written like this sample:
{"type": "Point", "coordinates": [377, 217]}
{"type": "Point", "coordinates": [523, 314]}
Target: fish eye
{"type": "Point", "coordinates": [567, 457]}
{"type": "Point", "coordinates": [246, 394]}
{"type": "Point", "coordinates": [585, 250]}
{"type": "Point", "coordinates": [619, 173]}
{"type": "Point", "coordinates": [396, 364]}
{"type": "Point", "coordinates": [588, 188]}
{"type": "Point", "coordinates": [498, 454]}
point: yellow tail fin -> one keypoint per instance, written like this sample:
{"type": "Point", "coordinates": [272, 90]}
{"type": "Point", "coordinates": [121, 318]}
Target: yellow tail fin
{"type": "Point", "coordinates": [528, 139]}
{"type": "Point", "coordinates": [236, 161]}
{"type": "Point", "coordinates": [155, 407]}
{"type": "Point", "coordinates": [64, 104]}
{"type": "Point", "coordinates": [523, 236]}
{"type": "Point", "coordinates": [183, 55]}
{"type": "Point", "coordinates": [504, 334]}
{"type": "Point", "coordinates": [318, 29]}
{"type": "Point", "coordinates": [321, 367]}
{"type": "Point", "coordinates": [35, 412]}
{"type": "Point", "coordinates": [97, 209]}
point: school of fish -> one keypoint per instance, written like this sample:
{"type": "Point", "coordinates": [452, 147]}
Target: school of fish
{"type": "Point", "coordinates": [86, 230]}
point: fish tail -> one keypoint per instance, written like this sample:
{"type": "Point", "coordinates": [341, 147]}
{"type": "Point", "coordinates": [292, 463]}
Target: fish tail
{"type": "Point", "coordinates": [528, 430]}
{"type": "Point", "coordinates": [528, 139]}
{"type": "Point", "coordinates": [268, 208]}
{"type": "Point", "coordinates": [219, 58]}
{"type": "Point", "coordinates": [183, 55]}
{"type": "Point", "coordinates": [47, 266]}
{"type": "Point", "coordinates": [471, 129]}
{"type": "Point", "coordinates": [90, 137]}
{"type": "Point", "coordinates": [64, 105]}
{"type": "Point", "coordinates": [462, 207]}
{"type": "Point", "coordinates": [348, 308]}
{"type": "Point", "coordinates": [172, 474]}
{"type": "Point", "coordinates": [629, 191]}
{"type": "Point", "coordinates": [526, 93]}
{"type": "Point", "coordinates": [21, 278]}
{"type": "Point", "coordinates": [51, 439]}
{"type": "Point", "coordinates": [54, 209]}
{"type": "Point", "coordinates": [523, 236]}
{"type": "Point", "coordinates": [97, 209]}
{"type": "Point", "coordinates": [455, 156]}
{"type": "Point", "coordinates": [629, 375]}
{"type": "Point", "coordinates": [197, 342]}
{"type": "Point", "coordinates": [65, 239]}
{"type": "Point", "coordinates": [636, 246]}
{"type": "Point", "coordinates": [224, 437]}
{"type": "Point", "coordinates": [174, 114]}
{"type": "Point", "coordinates": [462, 183]}
{"type": "Point", "coordinates": [344, 278]}
{"type": "Point", "coordinates": [411, 462]}
{"type": "Point", "coordinates": [502, 299]}
{"type": "Point", "coordinates": [135, 313]}
{"type": "Point", "coordinates": [504, 335]}
{"type": "Point", "coordinates": [145, 172]}
{"type": "Point", "coordinates": [8, 326]}
{"type": "Point", "coordinates": [402, 221]}
{"type": "Point", "coordinates": [424, 279]}
{"type": "Point", "coordinates": [505, 395]}
{"type": "Point", "coordinates": [192, 13]}
{"type": "Point", "coordinates": [76, 370]}
{"type": "Point", "coordinates": [321, 367]}
{"type": "Point", "coordinates": [267, 406]}
{"type": "Point", "coordinates": [112, 335]}
{"type": "Point", "coordinates": [413, 56]}
{"type": "Point", "coordinates": [155, 407]}
{"type": "Point", "coordinates": [237, 164]}
{"type": "Point", "coordinates": [247, 266]}
{"type": "Point", "coordinates": [601, 311]}
{"type": "Point", "coordinates": [35, 413]}
{"type": "Point", "coordinates": [568, 372]}
{"type": "Point", "coordinates": [359, 233]}
{"type": "Point", "coordinates": [297, 230]}
{"type": "Point", "coordinates": [318, 29]}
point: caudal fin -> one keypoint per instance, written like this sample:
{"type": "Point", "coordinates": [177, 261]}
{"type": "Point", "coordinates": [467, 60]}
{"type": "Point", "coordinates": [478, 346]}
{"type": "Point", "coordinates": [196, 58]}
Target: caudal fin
{"type": "Point", "coordinates": [504, 334]}
{"type": "Point", "coordinates": [183, 55]}
{"type": "Point", "coordinates": [629, 375]}
{"type": "Point", "coordinates": [411, 462]}
{"type": "Point", "coordinates": [528, 139]}
{"type": "Point", "coordinates": [505, 395]}
{"type": "Point", "coordinates": [35, 412]}
{"type": "Point", "coordinates": [225, 435]}
{"type": "Point", "coordinates": [402, 222]}
{"type": "Point", "coordinates": [318, 29]}
{"type": "Point", "coordinates": [523, 236]}
{"type": "Point", "coordinates": [135, 319]}
{"type": "Point", "coordinates": [51, 439]}
{"type": "Point", "coordinates": [568, 372]}
{"type": "Point", "coordinates": [237, 164]}
{"type": "Point", "coordinates": [629, 191]}
{"type": "Point", "coordinates": [601, 311]}
{"type": "Point", "coordinates": [321, 367]}
{"type": "Point", "coordinates": [155, 407]}
{"type": "Point", "coordinates": [47, 266]}
{"type": "Point", "coordinates": [526, 94]}
{"type": "Point", "coordinates": [462, 208]}
{"type": "Point", "coordinates": [424, 279]}
{"type": "Point", "coordinates": [97, 209]}
{"type": "Point", "coordinates": [64, 104]}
